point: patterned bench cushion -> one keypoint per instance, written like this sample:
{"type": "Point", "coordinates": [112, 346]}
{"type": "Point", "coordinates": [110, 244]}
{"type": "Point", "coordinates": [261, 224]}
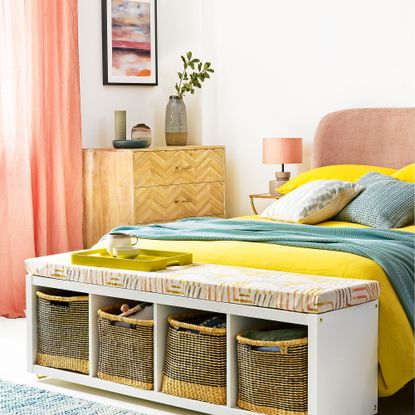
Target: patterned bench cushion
{"type": "Point", "coordinates": [249, 286]}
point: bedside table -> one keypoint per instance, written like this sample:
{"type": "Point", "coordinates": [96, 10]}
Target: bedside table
{"type": "Point", "coordinates": [263, 196]}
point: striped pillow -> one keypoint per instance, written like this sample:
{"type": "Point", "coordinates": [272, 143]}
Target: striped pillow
{"type": "Point", "coordinates": [313, 202]}
{"type": "Point", "coordinates": [385, 203]}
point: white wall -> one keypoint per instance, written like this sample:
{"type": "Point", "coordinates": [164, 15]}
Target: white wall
{"type": "Point", "coordinates": [282, 65]}
{"type": "Point", "coordinates": [179, 30]}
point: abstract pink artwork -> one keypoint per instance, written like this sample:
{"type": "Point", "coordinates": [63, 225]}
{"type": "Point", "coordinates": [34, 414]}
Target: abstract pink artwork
{"type": "Point", "coordinates": [129, 42]}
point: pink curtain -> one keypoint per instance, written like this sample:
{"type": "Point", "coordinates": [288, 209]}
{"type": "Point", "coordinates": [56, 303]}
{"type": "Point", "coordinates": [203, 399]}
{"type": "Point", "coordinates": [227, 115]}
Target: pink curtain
{"type": "Point", "coordinates": [40, 139]}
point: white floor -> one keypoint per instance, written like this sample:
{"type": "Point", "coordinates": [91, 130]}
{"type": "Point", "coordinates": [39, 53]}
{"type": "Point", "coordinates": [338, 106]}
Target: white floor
{"type": "Point", "coordinates": [12, 368]}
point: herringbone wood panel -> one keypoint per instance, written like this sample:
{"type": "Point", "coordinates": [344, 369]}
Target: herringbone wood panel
{"type": "Point", "coordinates": [162, 168]}
{"type": "Point", "coordinates": [163, 203]}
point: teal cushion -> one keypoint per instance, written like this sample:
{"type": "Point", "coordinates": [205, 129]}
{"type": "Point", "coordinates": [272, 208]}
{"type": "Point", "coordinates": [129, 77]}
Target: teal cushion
{"type": "Point", "coordinates": [385, 203]}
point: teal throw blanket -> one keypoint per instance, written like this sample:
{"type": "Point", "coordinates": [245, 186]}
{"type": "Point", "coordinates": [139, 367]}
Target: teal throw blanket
{"type": "Point", "coordinates": [392, 250]}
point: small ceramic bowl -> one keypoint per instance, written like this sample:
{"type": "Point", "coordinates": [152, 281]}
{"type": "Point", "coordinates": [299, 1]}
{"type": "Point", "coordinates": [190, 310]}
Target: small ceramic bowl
{"type": "Point", "coordinates": [126, 253]}
{"type": "Point", "coordinates": [136, 143]}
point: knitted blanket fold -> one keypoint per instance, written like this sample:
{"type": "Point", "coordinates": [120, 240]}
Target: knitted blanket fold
{"type": "Point", "coordinates": [392, 250]}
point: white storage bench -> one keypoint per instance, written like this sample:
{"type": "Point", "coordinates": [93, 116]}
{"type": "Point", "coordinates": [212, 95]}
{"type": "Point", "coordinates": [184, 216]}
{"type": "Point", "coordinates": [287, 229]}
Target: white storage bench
{"type": "Point", "coordinates": [341, 316]}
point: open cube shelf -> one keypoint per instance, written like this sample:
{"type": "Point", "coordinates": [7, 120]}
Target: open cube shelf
{"type": "Point", "coordinates": [332, 378]}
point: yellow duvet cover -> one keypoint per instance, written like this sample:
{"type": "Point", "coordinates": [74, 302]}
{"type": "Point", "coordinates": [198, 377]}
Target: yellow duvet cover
{"type": "Point", "coordinates": [396, 337]}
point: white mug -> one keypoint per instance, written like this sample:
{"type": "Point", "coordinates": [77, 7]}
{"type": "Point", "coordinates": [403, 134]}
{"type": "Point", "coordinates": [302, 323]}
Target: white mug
{"type": "Point", "coordinates": [118, 240]}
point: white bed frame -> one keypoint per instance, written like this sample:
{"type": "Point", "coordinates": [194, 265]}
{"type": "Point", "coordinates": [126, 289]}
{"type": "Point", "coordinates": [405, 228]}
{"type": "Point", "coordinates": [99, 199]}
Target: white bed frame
{"type": "Point", "coordinates": [342, 353]}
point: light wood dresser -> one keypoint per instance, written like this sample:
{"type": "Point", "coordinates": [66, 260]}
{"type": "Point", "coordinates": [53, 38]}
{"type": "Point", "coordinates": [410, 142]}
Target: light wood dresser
{"type": "Point", "coordinates": [127, 187]}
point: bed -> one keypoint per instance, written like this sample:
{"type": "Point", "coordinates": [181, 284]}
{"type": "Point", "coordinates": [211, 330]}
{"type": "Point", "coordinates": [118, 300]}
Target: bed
{"type": "Point", "coordinates": [381, 137]}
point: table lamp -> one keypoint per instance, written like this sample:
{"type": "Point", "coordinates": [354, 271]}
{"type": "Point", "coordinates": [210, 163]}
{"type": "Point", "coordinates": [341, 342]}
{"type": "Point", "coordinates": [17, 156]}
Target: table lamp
{"type": "Point", "coordinates": [281, 151]}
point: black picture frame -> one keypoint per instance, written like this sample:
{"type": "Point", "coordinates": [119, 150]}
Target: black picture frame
{"type": "Point", "coordinates": [107, 52]}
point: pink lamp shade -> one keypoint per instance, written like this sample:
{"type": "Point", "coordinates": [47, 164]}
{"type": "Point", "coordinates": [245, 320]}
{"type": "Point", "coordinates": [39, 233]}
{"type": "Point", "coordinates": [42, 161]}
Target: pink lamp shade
{"type": "Point", "coordinates": [282, 150]}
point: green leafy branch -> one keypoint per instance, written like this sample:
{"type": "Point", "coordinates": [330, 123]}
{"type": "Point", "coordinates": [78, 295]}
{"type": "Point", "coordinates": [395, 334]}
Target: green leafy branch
{"type": "Point", "coordinates": [194, 74]}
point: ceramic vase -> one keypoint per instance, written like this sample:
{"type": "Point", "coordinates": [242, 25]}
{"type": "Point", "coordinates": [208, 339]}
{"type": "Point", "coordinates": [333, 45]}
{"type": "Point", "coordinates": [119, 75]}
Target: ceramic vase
{"type": "Point", "coordinates": [176, 122]}
{"type": "Point", "coordinates": [141, 134]}
{"type": "Point", "coordinates": [120, 122]}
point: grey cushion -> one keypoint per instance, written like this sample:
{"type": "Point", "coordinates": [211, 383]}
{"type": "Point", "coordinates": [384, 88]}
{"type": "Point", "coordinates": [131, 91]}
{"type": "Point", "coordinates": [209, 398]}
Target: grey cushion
{"type": "Point", "coordinates": [385, 203]}
{"type": "Point", "coordinates": [288, 333]}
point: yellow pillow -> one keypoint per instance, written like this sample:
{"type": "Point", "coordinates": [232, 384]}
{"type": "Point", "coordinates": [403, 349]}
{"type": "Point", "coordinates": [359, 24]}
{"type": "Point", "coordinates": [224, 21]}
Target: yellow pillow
{"type": "Point", "coordinates": [346, 172]}
{"type": "Point", "coordinates": [406, 174]}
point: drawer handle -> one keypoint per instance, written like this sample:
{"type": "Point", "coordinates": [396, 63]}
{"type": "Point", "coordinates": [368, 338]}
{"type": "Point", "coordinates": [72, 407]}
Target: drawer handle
{"type": "Point", "coordinates": [183, 167]}
{"type": "Point", "coordinates": [182, 201]}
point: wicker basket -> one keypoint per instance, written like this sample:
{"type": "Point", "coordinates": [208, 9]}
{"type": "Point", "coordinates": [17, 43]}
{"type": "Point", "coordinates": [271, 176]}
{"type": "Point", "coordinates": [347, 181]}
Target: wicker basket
{"type": "Point", "coordinates": [195, 362]}
{"type": "Point", "coordinates": [125, 353]}
{"type": "Point", "coordinates": [62, 337]}
{"type": "Point", "coordinates": [273, 383]}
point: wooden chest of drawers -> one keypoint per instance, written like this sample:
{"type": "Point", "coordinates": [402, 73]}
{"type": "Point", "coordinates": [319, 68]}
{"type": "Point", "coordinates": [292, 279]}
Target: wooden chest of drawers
{"type": "Point", "coordinates": [126, 187]}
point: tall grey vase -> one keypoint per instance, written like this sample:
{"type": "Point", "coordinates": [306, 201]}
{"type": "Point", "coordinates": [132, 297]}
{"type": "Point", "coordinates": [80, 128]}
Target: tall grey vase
{"type": "Point", "coordinates": [176, 122]}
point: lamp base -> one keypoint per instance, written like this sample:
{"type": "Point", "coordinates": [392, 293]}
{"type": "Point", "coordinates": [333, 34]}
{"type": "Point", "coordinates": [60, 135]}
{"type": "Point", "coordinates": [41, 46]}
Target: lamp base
{"type": "Point", "coordinates": [281, 177]}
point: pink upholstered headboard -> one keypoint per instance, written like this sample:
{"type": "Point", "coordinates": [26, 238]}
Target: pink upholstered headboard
{"type": "Point", "coordinates": [374, 136]}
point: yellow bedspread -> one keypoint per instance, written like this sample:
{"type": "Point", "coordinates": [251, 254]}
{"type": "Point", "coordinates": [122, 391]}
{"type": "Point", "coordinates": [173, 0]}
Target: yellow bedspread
{"type": "Point", "coordinates": [396, 338]}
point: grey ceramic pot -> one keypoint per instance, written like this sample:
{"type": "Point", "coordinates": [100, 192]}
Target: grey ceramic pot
{"type": "Point", "coordinates": [176, 122]}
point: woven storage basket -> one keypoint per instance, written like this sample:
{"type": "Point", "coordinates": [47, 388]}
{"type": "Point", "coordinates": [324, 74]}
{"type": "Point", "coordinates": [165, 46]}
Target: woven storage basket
{"type": "Point", "coordinates": [62, 330]}
{"type": "Point", "coordinates": [195, 362]}
{"type": "Point", "coordinates": [125, 353]}
{"type": "Point", "coordinates": [273, 383]}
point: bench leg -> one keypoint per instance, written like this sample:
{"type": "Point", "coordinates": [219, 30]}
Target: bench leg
{"type": "Point", "coordinates": [343, 361]}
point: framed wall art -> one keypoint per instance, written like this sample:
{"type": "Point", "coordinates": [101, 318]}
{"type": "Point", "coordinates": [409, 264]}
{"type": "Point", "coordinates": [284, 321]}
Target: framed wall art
{"type": "Point", "coordinates": [129, 42]}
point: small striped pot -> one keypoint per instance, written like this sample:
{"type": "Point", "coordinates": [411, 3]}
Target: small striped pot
{"type": "Point", "coordinates": [195, 362]}
{"type": "Point", "coordinates": [272, 382]}
{"type": "Point", "coordinates": [125, 352]}
{"type": "Point", "coordinates": [62, 337]}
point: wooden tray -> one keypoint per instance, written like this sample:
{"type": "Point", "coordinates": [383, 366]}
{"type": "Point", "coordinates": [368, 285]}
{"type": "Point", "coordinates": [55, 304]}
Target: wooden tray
{"type": "Point", "coordinates": [147, 260]}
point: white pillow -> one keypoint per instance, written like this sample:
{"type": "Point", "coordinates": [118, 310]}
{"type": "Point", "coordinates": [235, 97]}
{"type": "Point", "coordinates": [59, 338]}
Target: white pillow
{"type": "Point", "coordinates": [313, 202]}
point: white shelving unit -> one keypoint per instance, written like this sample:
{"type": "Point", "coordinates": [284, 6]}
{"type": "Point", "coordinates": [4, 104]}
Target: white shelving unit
{"type": "Point", "coordinates": [342, 356]}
